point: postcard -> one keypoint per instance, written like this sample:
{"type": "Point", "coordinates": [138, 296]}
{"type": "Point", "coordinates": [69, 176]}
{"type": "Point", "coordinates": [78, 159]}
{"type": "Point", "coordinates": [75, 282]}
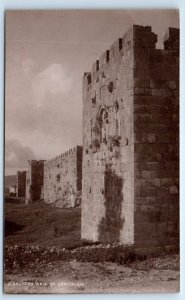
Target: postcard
{"type": "Point", "coordinates": [91, 196]}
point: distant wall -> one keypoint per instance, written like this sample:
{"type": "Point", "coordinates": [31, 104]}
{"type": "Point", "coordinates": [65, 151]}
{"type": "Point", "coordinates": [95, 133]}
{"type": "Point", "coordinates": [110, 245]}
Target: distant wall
{"type": "Point", "coordinates": [63, 179]}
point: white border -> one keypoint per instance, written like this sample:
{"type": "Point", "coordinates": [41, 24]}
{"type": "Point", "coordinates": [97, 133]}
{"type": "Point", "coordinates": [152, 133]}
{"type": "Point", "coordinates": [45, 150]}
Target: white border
{"type": "Point", "coordinates": [99, 4]}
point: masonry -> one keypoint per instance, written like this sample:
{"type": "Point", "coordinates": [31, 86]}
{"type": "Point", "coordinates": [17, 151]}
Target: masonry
{"type": "Point", "coordinates": [130, 143]}
{"type": "Point", "coordinates": [63, 179]}
{"type": "Point", "coordinates": [34, 180]}
{"type": "Point", "coordinates": [21, 184]}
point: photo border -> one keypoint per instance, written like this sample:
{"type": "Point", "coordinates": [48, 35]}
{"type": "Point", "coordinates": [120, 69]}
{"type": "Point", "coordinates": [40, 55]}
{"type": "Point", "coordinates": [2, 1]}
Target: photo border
{"type": "Point", "coordinates": [101, 4]}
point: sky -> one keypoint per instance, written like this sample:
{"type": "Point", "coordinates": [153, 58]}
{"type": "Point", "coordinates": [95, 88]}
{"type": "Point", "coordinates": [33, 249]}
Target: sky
{"type": "Point", "coordinates": [46, 54]}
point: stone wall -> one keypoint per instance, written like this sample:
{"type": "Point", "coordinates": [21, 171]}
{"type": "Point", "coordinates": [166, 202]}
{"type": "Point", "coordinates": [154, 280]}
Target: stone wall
{"type": "Point", "coordinates": [108, 153]}
{"type": "Point", "coordinates": [156, 144]}
{"type": "Point", "coordinates": [21, 184]}
{"type": "Point", "coordinates": [130, 138]}
{"type": "Point", "coordinates": [34, 180]}
{"type": "Point", "coordinates": [63, 179]}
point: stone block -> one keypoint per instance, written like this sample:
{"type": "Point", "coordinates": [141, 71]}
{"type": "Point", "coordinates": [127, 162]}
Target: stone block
{"type": "Point", "coordinates": [173, 189]}
{"type": "Point", "coordinates": [145, 174]}
{"type": "Point", "coordinates": [151, 138]}
{"type": "Point", "coordinates": [148, 191]}
{"type": "Point", "coordinates": [162, 193]}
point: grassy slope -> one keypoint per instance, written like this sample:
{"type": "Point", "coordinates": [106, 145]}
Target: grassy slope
{"type": "Point", "coordinates": [42, 225]}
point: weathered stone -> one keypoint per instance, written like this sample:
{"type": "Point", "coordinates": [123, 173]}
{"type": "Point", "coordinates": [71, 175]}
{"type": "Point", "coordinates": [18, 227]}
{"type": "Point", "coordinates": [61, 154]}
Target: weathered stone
{"type": "Point", "coordinates": [145, 174]}
{"type": "Point", "coordinates": [173, 190]}
{"type": "Point", "coordinates": [63, 179]}
{"type": "Point", "coordinates": [151, 138]}
{"type": "Point", "coordinates": [172, 85]}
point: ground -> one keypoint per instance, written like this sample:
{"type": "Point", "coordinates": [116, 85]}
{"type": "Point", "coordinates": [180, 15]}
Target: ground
{"type": "Point", "coordinates": [153, 275]}
{"type": "Point", "coordinates": [36, 228]}
{"type": "Point", "coordinates": [41, 225]}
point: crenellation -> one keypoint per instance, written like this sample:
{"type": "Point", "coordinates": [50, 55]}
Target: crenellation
{"type": "Point", "coordinates": [106, 60]}
{"type": "Point", "coordinates": [115, 49]}
{"type": "Point", "coordinates": [103, 60]}
{"type": "Point", "coordinates": [171, 39]}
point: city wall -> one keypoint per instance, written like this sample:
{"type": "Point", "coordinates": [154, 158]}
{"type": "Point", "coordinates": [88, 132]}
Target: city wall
{"type": "Point", "coordinates": [63, 179]}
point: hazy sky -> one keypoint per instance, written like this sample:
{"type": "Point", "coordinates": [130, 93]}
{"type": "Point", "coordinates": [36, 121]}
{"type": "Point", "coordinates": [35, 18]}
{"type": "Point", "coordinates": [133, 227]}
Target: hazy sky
{"type": "Point", "coordinates": [47, 53]}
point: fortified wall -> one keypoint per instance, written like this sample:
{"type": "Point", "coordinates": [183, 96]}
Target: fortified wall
{"type": "Point", "coordinates": [21, 184]}
{"type": "Point", "coordinates": [63, 179]}
{"type": "Point", "coordinates": [130, 143]}
{"type": "Point", "coordinates": [34, 180]}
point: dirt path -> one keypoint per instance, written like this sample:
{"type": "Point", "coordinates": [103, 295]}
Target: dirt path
{"type": "Point", "coordinates": [152, 275]}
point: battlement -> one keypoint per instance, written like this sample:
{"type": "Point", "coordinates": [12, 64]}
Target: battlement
{"type": "Point", "coordinates": [63, 178]}
{"type": "Point", "coordinates": [136, 37]}
{"type": "Point", "coordinates": [143, 37]}
{"type": "Point", "coordinates": [33, 162]}
{"type": "Point", "coordinates": [19, 173]}
{"type": "Point", "coordinates": [64, 155]}
{"type": "Point", "coordinates": [171, 39]}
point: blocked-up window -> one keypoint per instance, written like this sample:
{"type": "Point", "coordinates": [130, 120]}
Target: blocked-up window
{"type": "Point", "coordinates": [103, 121]}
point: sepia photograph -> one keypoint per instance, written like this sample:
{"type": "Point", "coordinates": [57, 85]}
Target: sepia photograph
{"type": "Point", "coordinates": [91, 151]}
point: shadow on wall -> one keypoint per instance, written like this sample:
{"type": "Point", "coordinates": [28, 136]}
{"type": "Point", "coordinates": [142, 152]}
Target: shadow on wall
{"type": "Point", "coordinates": [111, 225]}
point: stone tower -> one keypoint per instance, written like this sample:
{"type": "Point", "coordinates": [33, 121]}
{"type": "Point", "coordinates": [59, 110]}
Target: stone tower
{"type": "Point", "coordinates": [34, 180]}
{"type": "Point", "coordinates": [130, 142]}
{"type": "Point", "coordinates": [21, 184]}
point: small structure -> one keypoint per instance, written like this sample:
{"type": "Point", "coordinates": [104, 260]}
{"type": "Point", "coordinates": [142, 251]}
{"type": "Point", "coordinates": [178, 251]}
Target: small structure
{"type": "Point", "coordinates": [63, 179]}
{"type": "Point", "coordinates": [12, 190]}
{"type": "Point", "coordinates": [34, 180]}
